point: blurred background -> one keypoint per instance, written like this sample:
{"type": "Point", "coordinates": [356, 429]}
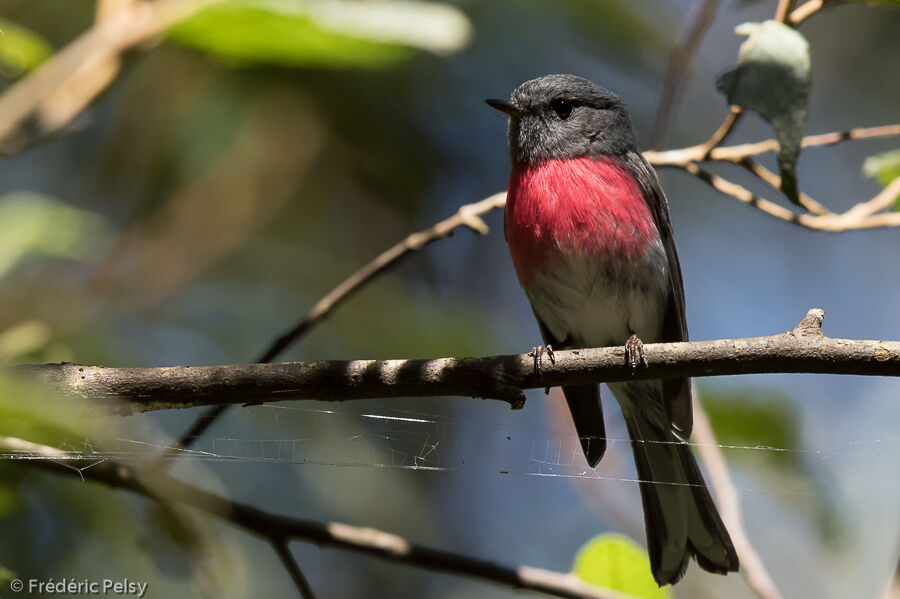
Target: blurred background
{"type": "Point", "coordinates": [234, 173]}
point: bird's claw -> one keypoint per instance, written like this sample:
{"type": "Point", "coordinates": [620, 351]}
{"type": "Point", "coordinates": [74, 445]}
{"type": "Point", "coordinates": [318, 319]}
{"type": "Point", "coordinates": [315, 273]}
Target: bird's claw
{"type": "Point", "coordinates": [537, 353]}
{"type": "Point", "coordinates": [634, 351]}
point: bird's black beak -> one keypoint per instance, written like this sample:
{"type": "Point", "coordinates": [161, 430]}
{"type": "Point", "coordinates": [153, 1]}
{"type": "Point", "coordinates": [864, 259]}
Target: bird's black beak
{"type": "Point", "coordinates": [503, 106]}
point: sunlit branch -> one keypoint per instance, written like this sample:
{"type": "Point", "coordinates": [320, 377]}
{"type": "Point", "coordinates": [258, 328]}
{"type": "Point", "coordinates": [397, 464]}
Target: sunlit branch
{"type": "Point", "coordinates": [735, 154]}
{"type": "Point", "coordinates": [864, 215]}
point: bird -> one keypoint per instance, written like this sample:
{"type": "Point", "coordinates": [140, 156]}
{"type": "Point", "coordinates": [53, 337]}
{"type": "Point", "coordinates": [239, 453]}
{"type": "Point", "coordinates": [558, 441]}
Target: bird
{"type": "Point", "coordinates": [589, 233]}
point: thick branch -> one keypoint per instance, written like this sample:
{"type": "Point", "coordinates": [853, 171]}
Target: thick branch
{"type": "Point", "coordinates": [126, 390]}
{"type": "Point", "coordinates": [158, 485]}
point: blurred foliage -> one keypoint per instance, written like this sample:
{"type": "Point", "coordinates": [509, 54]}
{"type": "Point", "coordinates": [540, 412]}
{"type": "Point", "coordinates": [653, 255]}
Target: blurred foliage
{"type": "Point", "coordinates": [763, 419]}
{"type": "Point", "coordinates": [618, 563]}
{"type": "Point", "coordinates": [21, 49]}
{"type": "Point", "coordinates": [763, 427]}
{"type": "Point", "coordinates": [30, 412]}
{"type": "Point", "coordinates": [328, 35]}
{"type": "Point", "coordinates": [884, 167]}
{"type": "Point", "coordinates": [23, 338]}
{"type": "Point", "coordinates": [36, 224]}
{"type": "Point", "coordinates": [6, 576]}
{"type": "Point", "coordinates": [773, 79]}
{"type": "Point", "coordinates": [176, 542]}
{"type": "Point", "coordinates": [614, 25]}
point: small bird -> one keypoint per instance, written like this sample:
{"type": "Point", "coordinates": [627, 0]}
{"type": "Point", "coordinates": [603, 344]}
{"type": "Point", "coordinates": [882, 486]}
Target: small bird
{"type": "Point", "coordinates": [589, 233]}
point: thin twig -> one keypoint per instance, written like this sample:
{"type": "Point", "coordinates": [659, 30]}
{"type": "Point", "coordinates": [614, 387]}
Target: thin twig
{"type": "Point", "coordinates": [679, 61]}
{"type": "Point", "coordinates": [722, 132]}
{"type": "Point", "coordinates": [782, 13]}
{"type": "Point", "coordinates": [803, 12]}
{"type": "Point", "coordinates": [735, 154]}
{"type": "Point", "coordinates": [283, 551]}
{"type": "Point", "coordinates": [158, 485]}
{"type": "Point", "coordinates": [856, 218]}
{"type": "Point", "coordinates": [728, 500]}
{"type": "Point", "coordinates": [774, 181]}
{"type": "Point", "coordinates": [129, 390]}
{"type": "Point", "coordinates": [884, 200]}
{"type": "Point", "coordinates": [468, 216]}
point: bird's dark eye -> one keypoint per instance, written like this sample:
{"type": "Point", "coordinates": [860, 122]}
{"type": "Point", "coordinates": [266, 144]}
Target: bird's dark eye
{"type": "Point", "coordinates": [562, 107]}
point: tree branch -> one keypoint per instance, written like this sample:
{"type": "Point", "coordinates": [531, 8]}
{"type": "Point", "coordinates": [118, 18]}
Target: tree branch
{"type": "Point", "coordinates": [283, 551]}
{"type": "Point", "coordinates": [735, 154]}
{"type": "Point", "coordinates": [722, 132]}
{"type": "Point", "coordinates": [774, 181]}
{"type": "Point", "coordinates": [157, 485]}
{"type": "Point", "coordinates": [127, 390]}
{"type": "Point", "coordinates": [860, 216]}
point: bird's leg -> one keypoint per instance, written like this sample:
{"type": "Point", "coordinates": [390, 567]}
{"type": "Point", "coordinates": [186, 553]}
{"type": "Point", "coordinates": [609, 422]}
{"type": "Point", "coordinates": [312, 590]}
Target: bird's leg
{"type": "Point", "coordinates": [634, 351]}
{"type": "Point", "coordinates": [538, 353]}
{"type": "Point", "coordinates": [552, 356]}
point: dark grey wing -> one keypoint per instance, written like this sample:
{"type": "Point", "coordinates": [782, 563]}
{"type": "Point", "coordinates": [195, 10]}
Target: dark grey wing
{"type": "Point", "coordinates": [676, 391]}
{"type": "Point", "coordinates": [584, 405]}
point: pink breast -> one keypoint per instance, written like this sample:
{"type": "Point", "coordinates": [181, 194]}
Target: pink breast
{"type": "Point", "coordinates": [576, 206]}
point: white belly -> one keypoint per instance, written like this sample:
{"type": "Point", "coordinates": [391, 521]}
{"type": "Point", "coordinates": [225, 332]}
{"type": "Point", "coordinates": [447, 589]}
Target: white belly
{"type": "Point", "coordinates": [597, 302]}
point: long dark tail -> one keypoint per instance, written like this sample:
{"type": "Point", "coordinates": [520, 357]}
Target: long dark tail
{"type": "Point", "coordinates": [584, 404]}
{"type": "Point", "coordinates": [680, 516]}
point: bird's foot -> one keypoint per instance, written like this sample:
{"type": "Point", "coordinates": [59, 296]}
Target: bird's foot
{"type": "Point", "coordinates": [634, 351]}
{"type": "Point", "coordinates": [538, 354]}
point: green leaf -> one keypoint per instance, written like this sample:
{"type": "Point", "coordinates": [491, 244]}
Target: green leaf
{"type": "Point", "coordinates": [773, 78]}
{"type": "Point", "coordinates": [21, 49]}
{"type": "Point", "coordinates": [6, 576]}
{"type": "Point", "coordinates": [31, 223]}
{"type": "Point", "coordinates": [883, 167]}
{"type": "Point", "coordinates": [372, 34]}
{"type": "Point", "coordinates": [618, 563]}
